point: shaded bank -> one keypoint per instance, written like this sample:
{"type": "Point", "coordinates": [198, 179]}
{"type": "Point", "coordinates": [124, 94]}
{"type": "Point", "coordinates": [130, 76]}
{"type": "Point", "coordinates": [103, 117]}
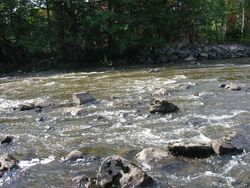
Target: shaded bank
{"type": "Point", "coordinates": [14, 59]}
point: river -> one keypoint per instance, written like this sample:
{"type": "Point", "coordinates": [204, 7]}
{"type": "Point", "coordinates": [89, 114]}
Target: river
{"type": "Point", "coordinates": [109, 127]}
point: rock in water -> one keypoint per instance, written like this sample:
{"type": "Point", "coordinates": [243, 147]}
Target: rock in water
{"type": "Point", "coordinates": [154, 70]}
{"type": "Point", "coordinates": [84, 181]}
{"type": "Point", "coordinates": [118, 172]}
{"type": "Point", "coordinates": [161, 92]}
{"type": "Point", "coordinates": [231, 86]}
{"type": "Point", "coordinates": [7, 162]}
{"type": "Point", "coordinates": [74, 155]}
{"type": "Point", "coordinates": [191, 150]}
{"type": "Point", "coordinates": [75, 111]}
{"type": "Point", "coordinates": [151, 156]}
{"type": "Point", "coordinates": [231, 143]}
{"type": "Point", "coordinates": [7, 140]}
{"type": "Point", "coordinates": [83, 97]}
{"type": "Point", "coordinates": [162, 106]}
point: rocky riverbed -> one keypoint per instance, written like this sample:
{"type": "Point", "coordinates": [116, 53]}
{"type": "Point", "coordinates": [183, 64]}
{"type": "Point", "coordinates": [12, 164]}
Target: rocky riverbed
{"type": "Point", "coordinates": [174, 126]}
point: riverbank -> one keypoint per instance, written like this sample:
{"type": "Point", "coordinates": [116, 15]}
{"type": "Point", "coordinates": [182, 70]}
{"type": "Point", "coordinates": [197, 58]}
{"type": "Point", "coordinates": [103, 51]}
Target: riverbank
{"type": "Point", "coordinates": [174, 55]}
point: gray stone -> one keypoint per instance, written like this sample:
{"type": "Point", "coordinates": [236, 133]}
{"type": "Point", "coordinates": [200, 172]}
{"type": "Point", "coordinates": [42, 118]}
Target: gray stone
{"type": "Point", "coordinates": [153, 155]}
{"type": "Point", "coordinates": [232, 87]}
{"type": "Point", "coordinates": [161, 92]}
{"type": "Point", "coordinates": [74, 155]}
{"type": "Point", "coordinates": [74, 111]}
{"type": "Point", "coordinates": [190, 58]}
{"type": "Point", "coordinates": [84, 181]}
{"type": "Point", "coordinates": [118, 172]}
{"type": "Point", "coordinates": [7, 163]}
{"type": "Point", "coordinates": [162, 106]}
{"type": "Point", "coordinates": [155, 70]}
{"type": "Point", "coordinates": [191, 150]}
{"type": "Point", "coordinates": [82, 98]}
{"type": "Point", "coordinates": [231, 143]}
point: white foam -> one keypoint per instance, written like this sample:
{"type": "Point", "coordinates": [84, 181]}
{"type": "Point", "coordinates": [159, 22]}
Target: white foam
{"type": "Point", "coordinates": [179, 77]}
{"type": "Point", "coordinates": [24, 165]}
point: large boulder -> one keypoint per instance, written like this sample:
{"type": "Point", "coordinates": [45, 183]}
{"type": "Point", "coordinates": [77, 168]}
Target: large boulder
{"type": "Point", "coordinates": [162, 106]}
{"type": "Point", "coordinates": [231, 143]}
{"type": "Point", "coordinates": [82, 98]}
{"type": "Point", "coordinates": [7, 162]}
{"type": "Point", "coordinates": [191, 150]}
{"type": "Point", "coordinates": [118, 172]}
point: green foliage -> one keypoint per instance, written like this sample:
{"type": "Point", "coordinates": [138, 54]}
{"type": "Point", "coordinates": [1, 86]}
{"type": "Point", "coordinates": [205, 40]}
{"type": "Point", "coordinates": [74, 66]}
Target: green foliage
{"type": "Point", "coordinates": [81, 32]}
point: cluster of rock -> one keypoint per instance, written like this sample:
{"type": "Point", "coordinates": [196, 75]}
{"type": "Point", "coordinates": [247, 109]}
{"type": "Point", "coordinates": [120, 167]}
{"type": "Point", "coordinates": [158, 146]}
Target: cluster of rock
{"type": "Point", "coordinates": [116, 171]}
{"type": "Point", "coordinates": [194, 52]}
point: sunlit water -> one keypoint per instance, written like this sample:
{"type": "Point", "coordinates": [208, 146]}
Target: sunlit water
{"type": "Point", "coordinates": [206, 111]}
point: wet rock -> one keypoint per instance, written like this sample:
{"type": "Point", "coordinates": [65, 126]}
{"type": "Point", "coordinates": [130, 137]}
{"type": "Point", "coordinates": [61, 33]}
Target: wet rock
{"type": "Point", "coordinates": [42, 103]}
{"type": "Point", "coordinates": [127, 105]}
{"type": "Point", "coordinates": [74, 155]}
{"type": "Point", "coordinates": [7, 140]}
{"type": "Point", "coordinates": [231, 143]}
{"type": "Point", "coordinates": [7, 162]}
{"type": "Point", "coordinates": [191, 150]}
{"type": "Point", "coordinates": [84, 181]}
{"type": "Point", "coordinates": [154, 70]}
{"type": "Point", "coordinates": [162, 106]}
{"type": "Point", "coordinates": [33, 104]}
{"type": "Point", "coordinates": [231, 86]}
{"type": "Point", "coordinates": [24, 107]}
{"type": "Point", "coordinates": [161, 92]}
{"type": "Point", "coordinates": [75, 111]}
{"type": "Point", "coordinates": [82, 98]}
{"type": "Point", "coordinates": [118, 172]}
{"type": "Point", "coordinates": [40, 119]}
{"type": "Point", "coordinates": [153, 155]}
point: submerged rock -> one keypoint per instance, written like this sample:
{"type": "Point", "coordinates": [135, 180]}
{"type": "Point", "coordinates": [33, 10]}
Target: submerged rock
{"type": "Point", "coordinates": [191, 150]}
{"type": "Point", "coordinates": [7, 140]}
{"type": "Point", "coordinates": [162, 106]}
{"type": "Point", "coordinates": [231, 143]}
{"type": "Point", "coordinates": [7, 162]}
{"type": "Point", "coordinates": [118, 172]}
{"type": "Point", "coordinates": [74, 155]}
{"type": "Point", "coordinates": [82, 98]}
{"type": "Point", "coordinates": [153, 155]}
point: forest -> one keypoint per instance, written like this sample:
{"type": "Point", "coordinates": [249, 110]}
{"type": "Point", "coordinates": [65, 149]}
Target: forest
{"type": "Point", "coordinates": [70, 34]}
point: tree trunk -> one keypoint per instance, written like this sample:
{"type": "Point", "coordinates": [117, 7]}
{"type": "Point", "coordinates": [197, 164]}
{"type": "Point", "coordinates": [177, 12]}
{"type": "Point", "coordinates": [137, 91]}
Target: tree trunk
{"type": "Point", "coordinates": [243, 18]}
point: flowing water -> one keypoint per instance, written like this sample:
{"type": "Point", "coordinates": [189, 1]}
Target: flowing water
{"type": "Point", "coordinates": [108, 127]}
